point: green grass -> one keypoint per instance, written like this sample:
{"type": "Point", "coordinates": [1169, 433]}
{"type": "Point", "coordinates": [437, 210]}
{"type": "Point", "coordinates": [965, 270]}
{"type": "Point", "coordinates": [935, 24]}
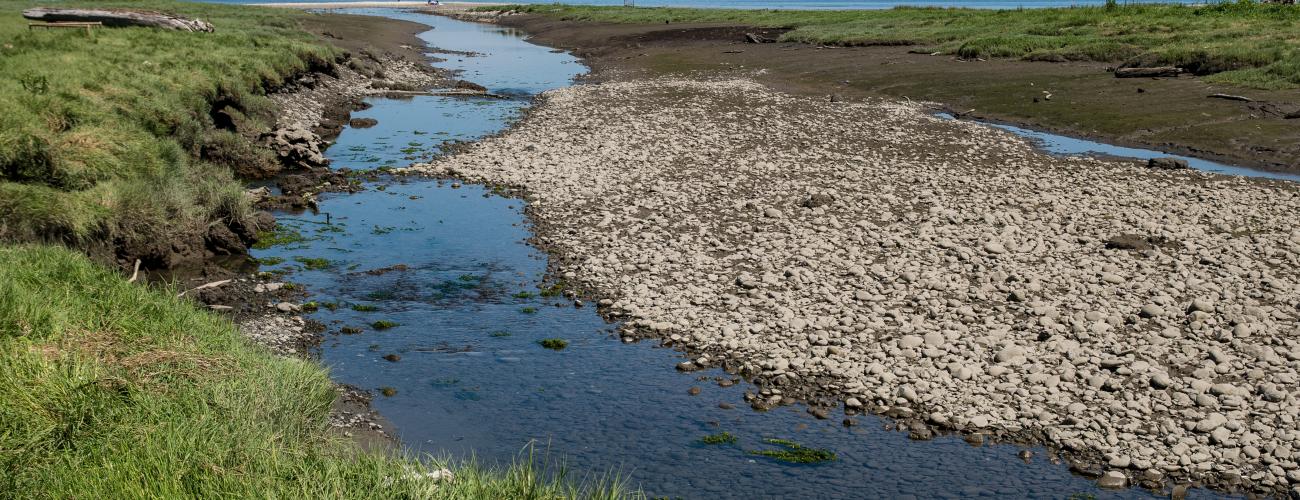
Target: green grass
{"type": "Point", "coordinates": [1244, 43]}
{"type": "Point", "coordinates": [553, 344]}
{"type": "Point", "coordinates": [795, 453]}
{"type": "Point", "coordinates": [112, 137]}
{"type": "Point", "coordinates": [113, 390]}
{"type": "Point", "coordinates": [719, 438]}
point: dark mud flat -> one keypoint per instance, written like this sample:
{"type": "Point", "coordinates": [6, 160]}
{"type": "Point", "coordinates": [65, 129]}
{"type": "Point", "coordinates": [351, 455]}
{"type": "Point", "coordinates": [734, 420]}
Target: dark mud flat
{"type": "Point", "coordinates": [1167, 114]}
{"type": "Point", "coordinates": [434, 301]}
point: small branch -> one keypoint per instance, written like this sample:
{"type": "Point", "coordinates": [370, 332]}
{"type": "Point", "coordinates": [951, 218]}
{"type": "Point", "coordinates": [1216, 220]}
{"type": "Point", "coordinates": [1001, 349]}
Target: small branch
{"type": "Point", "coordinates": [213, 284]}
{"type": "Point", "coordinates": [1231, 97]}
{"type": "Point", "coordinates": [135, 274]}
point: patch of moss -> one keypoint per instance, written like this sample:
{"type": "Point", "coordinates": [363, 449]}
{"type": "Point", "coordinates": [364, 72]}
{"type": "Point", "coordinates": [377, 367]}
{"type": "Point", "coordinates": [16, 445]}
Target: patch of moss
{"type": "Point", "coordinates": [310, 306]}
{"type": "Point", "coordinates": [383, 324]}
{"type": "Point", "coordinates": [554, 344]}
{"type": "Point", "coordinates": [719, 438]}
{"type": "Point", "coordinates": [795, 453]}
{"type": "Point", "coordinates": [314, 263]}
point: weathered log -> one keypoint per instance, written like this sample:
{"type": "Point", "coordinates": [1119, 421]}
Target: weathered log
{"type": "Point", "coordinates": [1147, 72]}
{"type": "Point", "coordinates": [118, 18]}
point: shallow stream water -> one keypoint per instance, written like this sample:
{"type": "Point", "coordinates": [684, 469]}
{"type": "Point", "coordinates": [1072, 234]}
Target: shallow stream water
{"type": "Point", "coordinates": [1065, 145]}
{"type": "Point", "coordinates": [470, 378]}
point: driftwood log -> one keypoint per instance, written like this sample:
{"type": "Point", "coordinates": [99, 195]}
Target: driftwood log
{"type": "Point", "coordinates": [1147, 72]}
{"type": "Point", "coordinates": [118, 18]}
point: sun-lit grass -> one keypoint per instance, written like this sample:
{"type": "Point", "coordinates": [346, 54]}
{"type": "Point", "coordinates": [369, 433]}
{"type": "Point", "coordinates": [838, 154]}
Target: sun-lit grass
{"type": "Point", "coordinates": [114, 390]}
{"type": "Point", "coordinates": [111, 138]}
{"type": "Point", "coordinates": [1245, 43]}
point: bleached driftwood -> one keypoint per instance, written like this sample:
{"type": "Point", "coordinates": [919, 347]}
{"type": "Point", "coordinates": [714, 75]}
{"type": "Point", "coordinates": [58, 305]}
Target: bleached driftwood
{"type": "Point", "coordinates": [118, 18]}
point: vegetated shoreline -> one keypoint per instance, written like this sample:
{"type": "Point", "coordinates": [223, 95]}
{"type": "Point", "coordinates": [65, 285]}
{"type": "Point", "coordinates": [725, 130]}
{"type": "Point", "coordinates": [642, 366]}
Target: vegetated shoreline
{"type": "Point", "coordinates": [1074, 97]}
{"type": "Point", "coordinates": [77, 337]}
{"type": "Point", "coordinates": [562, 216]}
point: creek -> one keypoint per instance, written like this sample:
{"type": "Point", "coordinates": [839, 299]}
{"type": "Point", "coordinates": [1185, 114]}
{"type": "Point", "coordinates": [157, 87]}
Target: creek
{"type": "Point", "coordinates": [449, 267]}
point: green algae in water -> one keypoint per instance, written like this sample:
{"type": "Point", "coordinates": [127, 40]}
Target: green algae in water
{"type": "Point", "coordinates": [382, 229]}
{"type": "Point", "coordinates": [795, 453]}
{"type": "Point", "coordinates": [381, 295]}
{"type": "Point", "coordinates": [268, 261]}
{"type": "Point", "coordinates": [383, 324]}
{"type": "Point", "coordinates": [310, 306]}
{"type": "Point", "coordinates": [500, 333]}
{"type": "Point", "coordinates": [523, 295]}
{"type": "Point", "coordinates": [314, 263]}
{"type": "Point", "coordinates": [445, 382]}
{"type": "Point", "coordinates": [467, 395]}
{"type": "Point", "coordinates": [280, 236]}
{"type": "Point", "coordinates": [719, 438]}
{"type": "Point", "coordinates": [528, 310]}
{"type": "Point", "coordinates": [364, 308]}
{"type": "Point", "coordinates": [553, 290]}
{"type": "Point", "coordinates": [350, 330]}
{"type": "Point", "coordinates": [388, 392]}
{"type": "Point", "coordinates": [553, 344]}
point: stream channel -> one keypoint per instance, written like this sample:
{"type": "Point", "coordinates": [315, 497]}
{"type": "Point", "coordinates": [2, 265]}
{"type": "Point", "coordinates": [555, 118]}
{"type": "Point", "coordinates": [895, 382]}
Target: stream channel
{"type": "Point", "coordinates": [472, 380]}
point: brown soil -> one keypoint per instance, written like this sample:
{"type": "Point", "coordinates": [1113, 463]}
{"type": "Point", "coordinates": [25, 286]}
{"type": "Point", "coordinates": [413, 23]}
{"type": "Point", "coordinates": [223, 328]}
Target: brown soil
{"type": "Point", "coordinates": [1170, 114]}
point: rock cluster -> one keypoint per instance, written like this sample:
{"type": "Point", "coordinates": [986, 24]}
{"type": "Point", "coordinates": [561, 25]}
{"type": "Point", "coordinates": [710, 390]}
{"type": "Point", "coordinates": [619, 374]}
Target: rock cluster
{"type": "Point", "coordinates": [938, 270]}
{"type": "Point", "coordinates": [296, 147]}
{"type": "Point", "coordinates": [307, 106]}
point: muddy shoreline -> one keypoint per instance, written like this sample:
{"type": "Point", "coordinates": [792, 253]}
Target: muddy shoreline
{"type": "Point", "coordinates": [1083, 99]}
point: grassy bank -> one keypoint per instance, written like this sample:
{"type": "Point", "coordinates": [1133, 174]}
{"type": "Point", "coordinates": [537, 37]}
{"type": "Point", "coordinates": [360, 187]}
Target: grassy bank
{"type": "Point", "coordinates": [113, 390]}
{"type": "Point", "coordinates": [1243, 43]}
{"type": "Point", "coordinates": [130, 135]}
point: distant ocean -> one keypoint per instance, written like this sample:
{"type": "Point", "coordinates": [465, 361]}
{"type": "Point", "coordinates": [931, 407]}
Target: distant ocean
{"type": "Point", "coordinates": [810, 4]}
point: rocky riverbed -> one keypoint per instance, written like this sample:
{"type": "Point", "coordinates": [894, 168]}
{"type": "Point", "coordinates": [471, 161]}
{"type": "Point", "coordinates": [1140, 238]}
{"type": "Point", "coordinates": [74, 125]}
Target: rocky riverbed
{"type": "Point", "coordinates": [865, 254]}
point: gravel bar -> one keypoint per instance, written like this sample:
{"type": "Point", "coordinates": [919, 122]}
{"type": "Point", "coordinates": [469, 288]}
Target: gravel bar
{"type": "Point", "coordinates": [1141, 322]}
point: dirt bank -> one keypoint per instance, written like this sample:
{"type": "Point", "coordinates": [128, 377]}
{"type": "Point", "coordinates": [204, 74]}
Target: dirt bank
{"type": "Point", "coordinates": [1073, 98]}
